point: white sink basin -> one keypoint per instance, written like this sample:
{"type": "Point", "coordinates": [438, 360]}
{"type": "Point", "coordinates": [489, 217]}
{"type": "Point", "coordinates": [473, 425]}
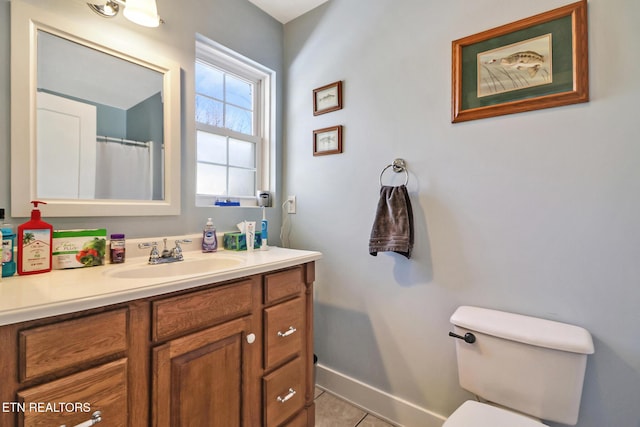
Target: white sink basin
{"type": "Point", "coordinates": [211, 264]}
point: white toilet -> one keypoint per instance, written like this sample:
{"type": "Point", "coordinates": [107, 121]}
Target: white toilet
{"type": "Point", "coordinates": [522, 368]}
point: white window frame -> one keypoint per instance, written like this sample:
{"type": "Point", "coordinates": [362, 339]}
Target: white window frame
{"type": "Point", "coordinates": [217, 55]}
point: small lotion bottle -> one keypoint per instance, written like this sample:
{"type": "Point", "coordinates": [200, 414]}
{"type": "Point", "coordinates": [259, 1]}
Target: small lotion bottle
{"type": "Point", "coordinates": [35, 240]}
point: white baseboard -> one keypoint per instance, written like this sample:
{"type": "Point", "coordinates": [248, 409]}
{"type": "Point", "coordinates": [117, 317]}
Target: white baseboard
{"type": "Point", "coordinates": [377, 402]}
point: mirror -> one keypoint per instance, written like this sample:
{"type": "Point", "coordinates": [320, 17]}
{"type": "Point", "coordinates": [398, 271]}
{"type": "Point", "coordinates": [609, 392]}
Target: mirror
{"type": "Point", "coordinates": [118, 106]}
{"type": "Point", "coordinates": [95, 121]}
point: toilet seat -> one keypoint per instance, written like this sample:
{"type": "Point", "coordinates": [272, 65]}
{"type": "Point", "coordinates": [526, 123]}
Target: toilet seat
{"type": "Point", "coordinates": [476, 414]}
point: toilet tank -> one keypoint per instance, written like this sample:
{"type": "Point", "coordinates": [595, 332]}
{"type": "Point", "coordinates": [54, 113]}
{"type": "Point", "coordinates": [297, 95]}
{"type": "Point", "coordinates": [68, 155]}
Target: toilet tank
{"type": "Point", "coordinates": [531, 365]}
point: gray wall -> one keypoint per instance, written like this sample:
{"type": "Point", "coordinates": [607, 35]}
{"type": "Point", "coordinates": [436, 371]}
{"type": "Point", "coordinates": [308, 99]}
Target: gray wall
{"type": "Point", "coordinates": [238, 25]}
{"type": "Point", "coordinates": [536, 213]}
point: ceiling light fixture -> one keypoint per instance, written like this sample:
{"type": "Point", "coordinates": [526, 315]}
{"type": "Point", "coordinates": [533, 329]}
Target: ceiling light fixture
{"type": "Point", "coordinates": [141, 12]}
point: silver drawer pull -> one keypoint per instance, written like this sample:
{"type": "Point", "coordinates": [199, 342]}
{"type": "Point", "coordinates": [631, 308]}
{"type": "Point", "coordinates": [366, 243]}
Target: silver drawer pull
{"type": "Point", "coordinates": [291, 393]}
{"type": "Point", "coordinates": [96, 417]}
{"type": "Point", "coordinates": [288, 332]}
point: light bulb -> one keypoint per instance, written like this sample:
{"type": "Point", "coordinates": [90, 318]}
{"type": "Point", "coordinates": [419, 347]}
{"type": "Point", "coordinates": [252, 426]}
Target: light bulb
{"type": "Point", "coordinates": [142, 12]}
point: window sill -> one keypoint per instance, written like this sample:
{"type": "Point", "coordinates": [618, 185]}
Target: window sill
{"type": "Point", "coordinates": [209, 202]}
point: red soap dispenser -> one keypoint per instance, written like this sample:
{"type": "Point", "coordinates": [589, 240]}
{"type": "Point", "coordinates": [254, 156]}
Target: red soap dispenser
{"type": "Point", "coordinates": [35, 240]}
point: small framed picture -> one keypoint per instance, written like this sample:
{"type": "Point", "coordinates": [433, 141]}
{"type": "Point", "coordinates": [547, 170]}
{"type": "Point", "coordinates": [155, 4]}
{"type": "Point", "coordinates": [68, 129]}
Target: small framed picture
{"type": "Point", "coordinates": [327, 141]}
{"type": "Point", "coordinates": [327, 98]}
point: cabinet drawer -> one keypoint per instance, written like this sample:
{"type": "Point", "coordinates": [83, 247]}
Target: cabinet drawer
{"type": "Point", "coordinates": [300, 420]}
{"type": "Point", "coordinates": [284, 392]}
{"type": "Point", "coordinates": [51, 348]}
{"type": "Point", "coordinates": [75, 398]}
{"type": "Point", "coordinates": [283, 284]}
{"type": "Point", "coordinates": [284, 329]}
{"type": "Point", "coordinates": [177, 315]}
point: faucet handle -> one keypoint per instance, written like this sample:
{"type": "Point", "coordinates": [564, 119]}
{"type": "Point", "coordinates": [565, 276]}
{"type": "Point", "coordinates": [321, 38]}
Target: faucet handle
{"type": "Point", "coordinates": [178, 242]}
{"type": "Point", "coordinates": [176, 252]}
{"type": "Point", "coordinates": [153, 255]}
{"type": "Point", "coordinates": [147, 245]}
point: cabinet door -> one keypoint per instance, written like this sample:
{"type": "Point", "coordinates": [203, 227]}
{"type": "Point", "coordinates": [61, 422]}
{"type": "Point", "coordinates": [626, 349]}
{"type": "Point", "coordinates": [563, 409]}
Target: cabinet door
{"type": "Point", "coordinates": [202, 379]}
{"type": "Point", "coordinates": [72, 400]}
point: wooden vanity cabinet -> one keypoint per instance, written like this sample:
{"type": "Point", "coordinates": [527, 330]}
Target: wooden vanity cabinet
{"type": "Point", "coordinates": [204, 357]}
{"type": "Point", "coordinates": [237, 353]}
{"type": "Point", "coordinates": [288, 349]}
{"type": "Point", "coordinates": [60, 371]}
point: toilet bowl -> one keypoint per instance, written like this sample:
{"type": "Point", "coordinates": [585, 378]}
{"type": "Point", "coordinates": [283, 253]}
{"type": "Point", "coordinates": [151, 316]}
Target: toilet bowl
{"type": "Point", "coordinates": [477, 414]}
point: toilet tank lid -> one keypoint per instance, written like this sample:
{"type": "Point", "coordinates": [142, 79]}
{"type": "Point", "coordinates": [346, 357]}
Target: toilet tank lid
{"type": "Point", "coordinates": [525, 329]}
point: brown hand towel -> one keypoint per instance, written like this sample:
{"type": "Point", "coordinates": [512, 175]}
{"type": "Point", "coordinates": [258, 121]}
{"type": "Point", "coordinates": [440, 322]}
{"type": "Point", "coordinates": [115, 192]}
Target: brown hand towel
{"type": "Point", "coordinates": [393, 226]}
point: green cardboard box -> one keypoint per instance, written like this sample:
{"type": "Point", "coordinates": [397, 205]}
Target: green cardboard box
{"type": "Point", "coordinates": [79, 248]}
{"type": "Point", "coordinates": [238, 241]}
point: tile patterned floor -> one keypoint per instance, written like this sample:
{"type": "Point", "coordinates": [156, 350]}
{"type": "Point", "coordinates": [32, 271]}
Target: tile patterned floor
{"type": "Point", "coordinates": [334, 412]}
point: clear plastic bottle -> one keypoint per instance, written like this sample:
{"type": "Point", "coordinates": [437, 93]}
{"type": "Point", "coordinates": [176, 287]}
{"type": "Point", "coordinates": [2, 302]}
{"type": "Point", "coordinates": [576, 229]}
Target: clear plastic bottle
{"type": "Point", "coordinates": [8, 244]}
{"type": "Point", "coordinates": [209, 238]}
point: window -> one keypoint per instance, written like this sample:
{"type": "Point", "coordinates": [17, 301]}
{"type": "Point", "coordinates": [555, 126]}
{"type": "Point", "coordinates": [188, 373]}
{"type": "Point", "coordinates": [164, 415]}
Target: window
{"type": "Point", "coordinates": [233, 125]}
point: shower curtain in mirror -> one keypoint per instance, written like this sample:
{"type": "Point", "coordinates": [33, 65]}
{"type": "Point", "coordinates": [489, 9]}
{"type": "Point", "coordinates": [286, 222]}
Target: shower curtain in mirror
{"type": "Point", "coordinates": [123, 171]}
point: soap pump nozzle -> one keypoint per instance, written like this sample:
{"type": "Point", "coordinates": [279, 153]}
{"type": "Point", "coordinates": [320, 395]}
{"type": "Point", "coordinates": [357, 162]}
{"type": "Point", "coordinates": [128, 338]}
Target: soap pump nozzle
{"type": "Point", "coordinates": [35, 212]}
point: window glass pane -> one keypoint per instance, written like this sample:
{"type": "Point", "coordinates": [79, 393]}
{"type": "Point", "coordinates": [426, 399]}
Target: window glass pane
{"type": "Point", "coordinates": [209, 81]}
{"type": "Point", "coordinates": [242, 153]}
{"type": "Point", "coordinates": [242, 182]}
{"type": "Point", "coordinates": [211, 179]}
{"type": "Point", "coordinates": [211, 148]}
{"type": "Point", "coordinates": [239, 92]}
{"type": "Point", "coordinates": [209, 111]}
{"type": "Point", "coordinates": [239, 120]}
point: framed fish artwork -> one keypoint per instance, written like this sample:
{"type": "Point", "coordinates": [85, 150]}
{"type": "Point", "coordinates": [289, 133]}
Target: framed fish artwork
{"type": "Point", "coordinates": [327, 141]}
{"type": "Point", "coordinates": [327, 98]}
{"type": "Point", "coordinates": [537, 62]}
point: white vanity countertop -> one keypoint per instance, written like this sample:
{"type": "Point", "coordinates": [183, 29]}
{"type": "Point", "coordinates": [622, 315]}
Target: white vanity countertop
{"type": "Point", "coordinates": [58, 292]}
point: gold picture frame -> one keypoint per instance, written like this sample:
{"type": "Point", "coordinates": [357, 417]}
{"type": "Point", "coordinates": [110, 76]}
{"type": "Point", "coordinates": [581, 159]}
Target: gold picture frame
{"type": "Point", "coordinates": [537, 62]}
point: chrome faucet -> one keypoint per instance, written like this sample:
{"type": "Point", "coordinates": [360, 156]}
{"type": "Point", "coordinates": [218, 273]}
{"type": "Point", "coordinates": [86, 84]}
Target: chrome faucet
{"type": "Point", "coordinates": [167, 256]}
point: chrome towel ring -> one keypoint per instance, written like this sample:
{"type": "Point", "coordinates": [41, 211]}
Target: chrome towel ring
{"type": "Point", "coordinates": [398, 165]}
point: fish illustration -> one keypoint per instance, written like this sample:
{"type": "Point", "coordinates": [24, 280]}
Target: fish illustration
{"type": "Point", "coordinates": [526, 60]}
{"type": "Point", "coordinates": [328, 97]}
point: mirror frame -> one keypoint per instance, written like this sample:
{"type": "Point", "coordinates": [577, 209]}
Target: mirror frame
{"type": "Point", "coordinates": [26, 20]}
